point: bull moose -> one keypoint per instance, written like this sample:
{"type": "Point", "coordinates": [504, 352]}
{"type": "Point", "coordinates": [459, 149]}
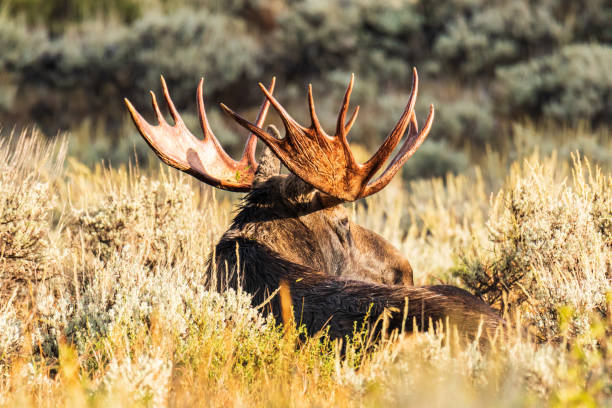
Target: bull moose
{"type": "Point", "coordinates": [292, 229]}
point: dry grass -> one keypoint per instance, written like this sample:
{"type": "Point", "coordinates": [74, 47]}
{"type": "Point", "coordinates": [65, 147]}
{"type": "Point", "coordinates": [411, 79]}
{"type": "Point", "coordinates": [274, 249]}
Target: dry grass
{"type": "Point", "coordinates": [127, 320]}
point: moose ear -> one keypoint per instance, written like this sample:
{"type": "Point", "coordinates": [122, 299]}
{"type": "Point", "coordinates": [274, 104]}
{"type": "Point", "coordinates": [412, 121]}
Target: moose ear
{"type": "Point", "coordinates": [269, 164]}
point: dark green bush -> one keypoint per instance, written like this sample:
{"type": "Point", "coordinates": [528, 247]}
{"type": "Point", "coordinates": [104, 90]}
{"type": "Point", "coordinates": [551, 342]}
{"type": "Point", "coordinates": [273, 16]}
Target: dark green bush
{"type": "Point", "coordinates": [186, 46]}
{"type": "Point", "coordinates": [571, 85]}
{"type": "Point", "coordinates": [589, 19]}
{"type": "Point", "coordinates": [320, 35]}
{"type": "Point", "coordinates": [391, 41]}
{"type": "Point", "coordinates": [17, 42]}
{"type": "Point", "coordinates": [502, 32]}
{"type": "Point", "coordinates": [435, 159]}
{"type": "Point", "coordinates": [55, 14]}
{"type": "Point", "coordinates": [75, 75]}
{"type": "Point", "coordinates": [378, 40]}
{"type": "Point", "coordinates": [438, 14]}
{"type": "Point", "coordinates": [464, 121]}
{"type": "Point", "coordinates": [82, 64]}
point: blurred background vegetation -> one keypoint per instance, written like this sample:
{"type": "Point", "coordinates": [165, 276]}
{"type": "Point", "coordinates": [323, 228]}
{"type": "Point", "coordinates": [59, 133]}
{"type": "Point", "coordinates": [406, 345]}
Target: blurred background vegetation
{"type": "Point", "coordinates": [489, 66]}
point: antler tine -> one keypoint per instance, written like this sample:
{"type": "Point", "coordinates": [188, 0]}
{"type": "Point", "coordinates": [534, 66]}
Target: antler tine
{"type": "Point", "coordinates": [350, 122]}
{"type": "Point", "coordinates": [385, 150]}
{"type": "Point", "coordinates": [414, 124]}
{"type": "Point", "coordinates": [313, 115]}
{"type": "Point", "coordinates": [340, 126]}
{"type": "Point", "coordinates": [209, 136]}
{"type": "Point", "coordinates": [262, 134]}
{"type": "Point", "coordinates": [146, 130]}
{"type": "Point", "coordinates": [206, 129]}
{"type": "Point", "coordinates": [175, 115]}
{"type": "Point", "coordinates": [409, 147]}
{"type": "Point", "coordinates": [249, 149]}
{"type": "Point", "coordinates": [315, 120]}
{"type": "Point", "coordinates": [160, 117]}
{"type": "Point", "coordinates": [291, 125]}
{"type": "Point", "coordinates": [284, 115]}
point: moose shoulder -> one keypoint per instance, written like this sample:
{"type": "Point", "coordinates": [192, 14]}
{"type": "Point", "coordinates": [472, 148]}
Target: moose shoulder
{"type": "Point", "coordinates": [293, 229]}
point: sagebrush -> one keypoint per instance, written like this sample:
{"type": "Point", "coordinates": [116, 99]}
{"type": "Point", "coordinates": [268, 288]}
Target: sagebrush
{"type": "Point", "coordinates": [127, 319]}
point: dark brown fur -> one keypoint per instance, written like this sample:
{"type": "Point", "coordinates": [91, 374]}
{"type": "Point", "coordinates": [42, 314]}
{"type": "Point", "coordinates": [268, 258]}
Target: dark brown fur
{"type": "Point", "coordinates": [287, 231]}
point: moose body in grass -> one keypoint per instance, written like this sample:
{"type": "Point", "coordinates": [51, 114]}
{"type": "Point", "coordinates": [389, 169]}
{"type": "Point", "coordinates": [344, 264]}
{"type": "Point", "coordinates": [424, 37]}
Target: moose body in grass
{"type": "Point", "coordinates": [293, 230]}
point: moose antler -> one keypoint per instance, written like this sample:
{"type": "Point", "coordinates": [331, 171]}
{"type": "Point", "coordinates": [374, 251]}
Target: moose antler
{"type": "Point", "coordinates": [326, 162]}
{"type": "Point", "coordinates": [204, 159]}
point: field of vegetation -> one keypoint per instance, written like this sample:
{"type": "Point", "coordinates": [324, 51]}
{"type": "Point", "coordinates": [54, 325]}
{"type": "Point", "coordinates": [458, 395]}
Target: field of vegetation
{"type": "Point", "coordinates": [104, 298]}
{"type": "Point", "coordinates": [103, 251]}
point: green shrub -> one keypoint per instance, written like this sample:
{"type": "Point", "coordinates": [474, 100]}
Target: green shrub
{"type": "Point", "coordinates": [17, 42]}
{"type": "Point", "coordinates": [27, 255]}
{"type": "Point", "coordinates": [570, 85]}
{"type": "Point", "coordinates": [201, 43]}
{"type": "Point", "coordinates": [435, 159]}
{"type": "Point", "coordinates": [59, 76]}
{"type": "Point", "coordinates": [549, 246]}
{"type": "Point", "coordinates": [498, 34]}
{"type": "Point", "coordinates": [152, 220]}
{"type": "Point", "coordinates": [464, 121]}
{"type": "Point", "coordinates": [437, 15]}
{"type": "Point", "coordinates": [57, 13]}
{"type": "Point", "coordinates": [391, 41]}
{"type": "Point", "coordinates": [549, 137]}
{"type": "Point", "coordinates": [321, 35]}
{"type": "Point", "coordinates": [92, 70]}
{"type": "Point", "coordinates": [590, 19]}
{"type": "Point", "coordinates": [379, 40]}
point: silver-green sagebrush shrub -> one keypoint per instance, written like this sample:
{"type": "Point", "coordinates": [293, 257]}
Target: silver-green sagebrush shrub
{"type": "Point", "coordinates": [123, 300]}
{"type": "Point", "coordinates": [157, 221]}
{"type": "Point", "coordinates": [466, 120]}
{"type": "Point", "coordinates": [126, 297]}
{"type": "Point", "coordinates": [127, 60]}
{"type": "Point", "coordinates": [549, 245]}
{"type": "Point", "coordinates": [497, 33]}
{"type": "Point", "coordinates": [141, 381]}
{"type": "Point", "coordinates": [15, 39]}
{"type": "Point", "coordinates": [436, 159]}
{"type": "Point", "coordinates": [12, 333]}
{"type": "Point", "coordinates": [27, 169]}
{"type": "Point", "coordinates": [48, 70]}
{"type": "Point", "coordinates": [549, 137]}
{"type": "Point", "coordinates": [570, 85]}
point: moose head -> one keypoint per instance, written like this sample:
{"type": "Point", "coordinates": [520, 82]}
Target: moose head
{"type": "Point", "coordinates": [293, 228]}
